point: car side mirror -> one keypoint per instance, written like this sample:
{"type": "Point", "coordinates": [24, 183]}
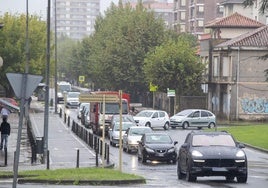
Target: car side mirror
{"type": "Point", "coordinates": [185, 145]}
{"type": "Point", "coordinates": [240, 145]}
{"type": "Point", "coordinates": [175, 142]}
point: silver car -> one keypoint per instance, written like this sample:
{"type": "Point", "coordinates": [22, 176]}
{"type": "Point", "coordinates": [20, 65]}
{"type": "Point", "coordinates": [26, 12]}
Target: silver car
{"type": "Point", "coordinates": [132, 136]}
{"type": "Point", "coordinates": [193, 118]}
{"type": "Point", "coordinates": [114, 131]}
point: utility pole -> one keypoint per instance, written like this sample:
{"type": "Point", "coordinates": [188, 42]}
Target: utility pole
{"type": "Point", "coordinates": [47, 84]}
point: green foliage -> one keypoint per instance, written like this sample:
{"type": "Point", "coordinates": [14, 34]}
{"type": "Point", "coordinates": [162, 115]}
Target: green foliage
{"type": "Point", "coordinates": [13, 46]}
{"type": "Point", "coordinates": [118, 47]}
{"type": "Point", "coordinates": [175, 65]}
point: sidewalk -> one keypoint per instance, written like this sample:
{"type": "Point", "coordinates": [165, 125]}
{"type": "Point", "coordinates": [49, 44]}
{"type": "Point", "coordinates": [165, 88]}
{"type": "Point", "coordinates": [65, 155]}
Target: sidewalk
{"type": "Point", "coordinates": [63, 145]}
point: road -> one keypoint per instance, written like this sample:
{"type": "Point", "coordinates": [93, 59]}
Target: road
{"type": "Point", "coordinates": [165, 175]}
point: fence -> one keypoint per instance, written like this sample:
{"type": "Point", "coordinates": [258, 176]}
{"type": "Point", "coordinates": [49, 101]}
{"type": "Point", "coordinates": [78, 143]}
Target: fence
{"type": "Point", "coordinates": [93, 141]}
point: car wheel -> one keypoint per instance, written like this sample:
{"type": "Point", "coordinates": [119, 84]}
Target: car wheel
{"type": "Point", "coordinates": [211, 125]}
{"type": "Point", "coordinates": [185, 125]}
{"type": "Point", "coordinates": [242, 179]}
{"type": "Point", "coordinates": [229, 178]}
{"type": "Point", "coordinates": [143, 158]}
{"type": "Point", "coordinates": [166, 126]}
{"type": "Point", "coordinates": [148, 124]}
{"type": "Point", "coordinates": [180, 175]}
{"type": "Point", "coordinates": [189, 176]}
{"type": "Point", "coordinates": [128, 150]}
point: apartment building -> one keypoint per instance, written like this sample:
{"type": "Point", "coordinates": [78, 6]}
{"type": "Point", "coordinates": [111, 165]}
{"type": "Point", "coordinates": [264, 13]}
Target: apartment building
{"type": "Point", "coordinates": [74, 18]}
{"type": "Point", "coordinates": [191, 15]}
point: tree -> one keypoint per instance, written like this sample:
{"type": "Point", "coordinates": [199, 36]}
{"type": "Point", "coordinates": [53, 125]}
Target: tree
{"type": "Point", "coordinates": [13, 45]}
{"type": "Point", "coordinates": [119, 45]}
{"type": "Point", "coordinates": [175, 65]}
{"type": "Point", "coordinates": [263, 7]}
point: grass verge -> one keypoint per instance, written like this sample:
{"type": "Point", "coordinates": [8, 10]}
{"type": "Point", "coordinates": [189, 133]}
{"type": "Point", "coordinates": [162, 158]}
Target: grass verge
{"type": "Point", "coordinates": [255, 135]}
{"type": "Point", "coordinates": [76, 175]}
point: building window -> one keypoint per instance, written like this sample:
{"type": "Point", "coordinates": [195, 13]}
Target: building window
{"type": "Point", "coordinates": [183, 2]}
{"type": "Point", "coordinates": [183, 28]}
{"type": "Point", "coordinates": [226, 67]}
{"type": "Point", "coordinates": [215, 66]}
{"type": "Point", "coordinates": [200, 23]}
{"type": "Point", "coordinates": [200, 8]}
{"type": "Point", "coordinates": [183, 16]}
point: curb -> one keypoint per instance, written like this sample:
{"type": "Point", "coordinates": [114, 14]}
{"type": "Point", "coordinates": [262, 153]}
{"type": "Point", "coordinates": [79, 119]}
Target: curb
{"type": "Point", "coordinates": [82, 182]}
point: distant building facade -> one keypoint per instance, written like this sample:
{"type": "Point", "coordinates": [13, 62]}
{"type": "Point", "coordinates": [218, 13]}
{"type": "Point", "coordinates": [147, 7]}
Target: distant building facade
{"type": "Point", "coordinates": [191, 15]}
{"type": "Point", "coordinates": [74, 18]}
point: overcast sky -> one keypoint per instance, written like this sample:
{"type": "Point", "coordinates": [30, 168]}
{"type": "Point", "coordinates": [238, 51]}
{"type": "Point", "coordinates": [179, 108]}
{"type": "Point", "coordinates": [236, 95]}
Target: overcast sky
{"type": "Point", "coordinates": [37, 6]}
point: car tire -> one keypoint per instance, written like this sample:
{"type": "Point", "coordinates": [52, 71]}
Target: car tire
{"type": "Point", "coordinates": [148, 124]}
{"type": "Point", "coordinates": [166, 126]}
{"type": "Point", "coordinates": [185, 125]}
{"type": "Point", "coordinates": [211, 125]}
{"type": "Point", "coordinates": [242, 179]}
{"type": "Point", "coordinates": [143, 158]}
{"type": "Point", "coordinates": [179, 173]}
{"type": "Point", "coordinates": [189, 176]}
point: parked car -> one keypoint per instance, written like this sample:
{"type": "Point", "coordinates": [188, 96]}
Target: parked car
{"type": "Point", "coordinates": [132, 136]}
{"type": "Point", "coordinates": [157, 147]}
{"type": "Point", "coordinates": [81, 107]}
{"type": "Point", "coordinates": [114, 131]}
{"type": "Point", "coordinates": [153, 119]}
{"type": "Point", "coordinates": [72, 99]}
{"type": "Point", "coordinates": [193, 118]}
{"type": "Point", "coordinates": [212, 154]}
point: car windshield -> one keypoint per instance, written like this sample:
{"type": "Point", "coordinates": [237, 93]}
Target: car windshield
{"type": "Point", "coordinates": [144, 114]}
{"type": "Point", "coordinates": [158, 139]}
{"type": "Point", "coordinates": [213, 140]}
{"type": "Point", "coordinates": [139, 131]}
{"type": "Point", "coordinates": [125, 126]}
{"type": "Point", "coordinates": [114, 108]}
{"type": "Point", "coordinates": [73, 95]}
{"type": "Point", "coordinates": [184, 113]}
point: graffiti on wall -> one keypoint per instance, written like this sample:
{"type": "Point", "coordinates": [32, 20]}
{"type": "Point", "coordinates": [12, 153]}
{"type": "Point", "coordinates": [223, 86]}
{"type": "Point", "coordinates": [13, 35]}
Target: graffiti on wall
{"type": "Point", "coordinates": [257, 105]}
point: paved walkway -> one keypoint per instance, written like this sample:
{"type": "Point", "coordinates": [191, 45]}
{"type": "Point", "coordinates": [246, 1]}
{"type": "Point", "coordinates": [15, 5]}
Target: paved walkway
{"type": "Point", "coordinates": [63, 145]}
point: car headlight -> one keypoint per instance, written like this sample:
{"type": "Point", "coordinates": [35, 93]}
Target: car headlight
{"type": "Point", "coordinates": [240, 153]}
{"type": "Point", "coordinates": [149, 150]}
{"type": "Point", "coordinates": [196, 153]}
{"type": "Point", "coordinates": [171, 150]}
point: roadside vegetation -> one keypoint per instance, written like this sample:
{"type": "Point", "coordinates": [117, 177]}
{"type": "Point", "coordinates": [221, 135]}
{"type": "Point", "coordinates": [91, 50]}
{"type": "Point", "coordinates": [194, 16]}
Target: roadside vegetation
{"type": "Point", "coordinates": [254, 135]}
{"type": "Point", "coordinates": [76, 175]}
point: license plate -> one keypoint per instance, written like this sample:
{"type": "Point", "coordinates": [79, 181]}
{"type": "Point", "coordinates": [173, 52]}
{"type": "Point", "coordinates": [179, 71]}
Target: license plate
{"type": "Point", "coordinates": [219, 169]}
{"type": "Point", "coordinates": [160, 154]}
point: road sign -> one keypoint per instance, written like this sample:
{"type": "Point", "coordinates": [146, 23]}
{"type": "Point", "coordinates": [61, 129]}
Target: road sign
{"type": "Point", "coordinates": [32, 82]}
{"type": "Point", "coordinates": [171, 93]}
{"type": "Point", "coordinates": [81, 78]}
{"type": "Point", "coordinates": [98, 98]}
{"type": "Point", "coordinates": [153, 87]}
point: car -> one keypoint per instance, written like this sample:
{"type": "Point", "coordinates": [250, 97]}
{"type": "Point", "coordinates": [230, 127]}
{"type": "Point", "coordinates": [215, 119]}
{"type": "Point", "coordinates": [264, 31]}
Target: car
{"type": "Point", "coordinates": [212, 154]}
{"type": "Point", "coordinates": [157, 147]}
{"type": "Point", "coordinates": [114, 131]}
{"type": "Point", "coordinates": [132, 136]}
{"type": "Point", "coordinates": [193, 118]}
{"type": "Point", "coordinates": [81, 107]}
{"type": "Point", "coordinates": [72, 99]}
{"type": "Point", "coordinates": [125, 118]}
{"type": "Point", "coordinates": [152, 118]}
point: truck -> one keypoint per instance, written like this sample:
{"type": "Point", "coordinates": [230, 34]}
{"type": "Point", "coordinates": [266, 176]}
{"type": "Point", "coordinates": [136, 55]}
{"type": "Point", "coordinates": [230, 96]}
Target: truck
{"type": "Point", "coordinates": [111, 108]}
{"type": "Point", "coordinates": [63, 88]}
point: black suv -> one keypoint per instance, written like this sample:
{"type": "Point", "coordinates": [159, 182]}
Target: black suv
{"type": "Point", "coordinates": [212, 154]}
